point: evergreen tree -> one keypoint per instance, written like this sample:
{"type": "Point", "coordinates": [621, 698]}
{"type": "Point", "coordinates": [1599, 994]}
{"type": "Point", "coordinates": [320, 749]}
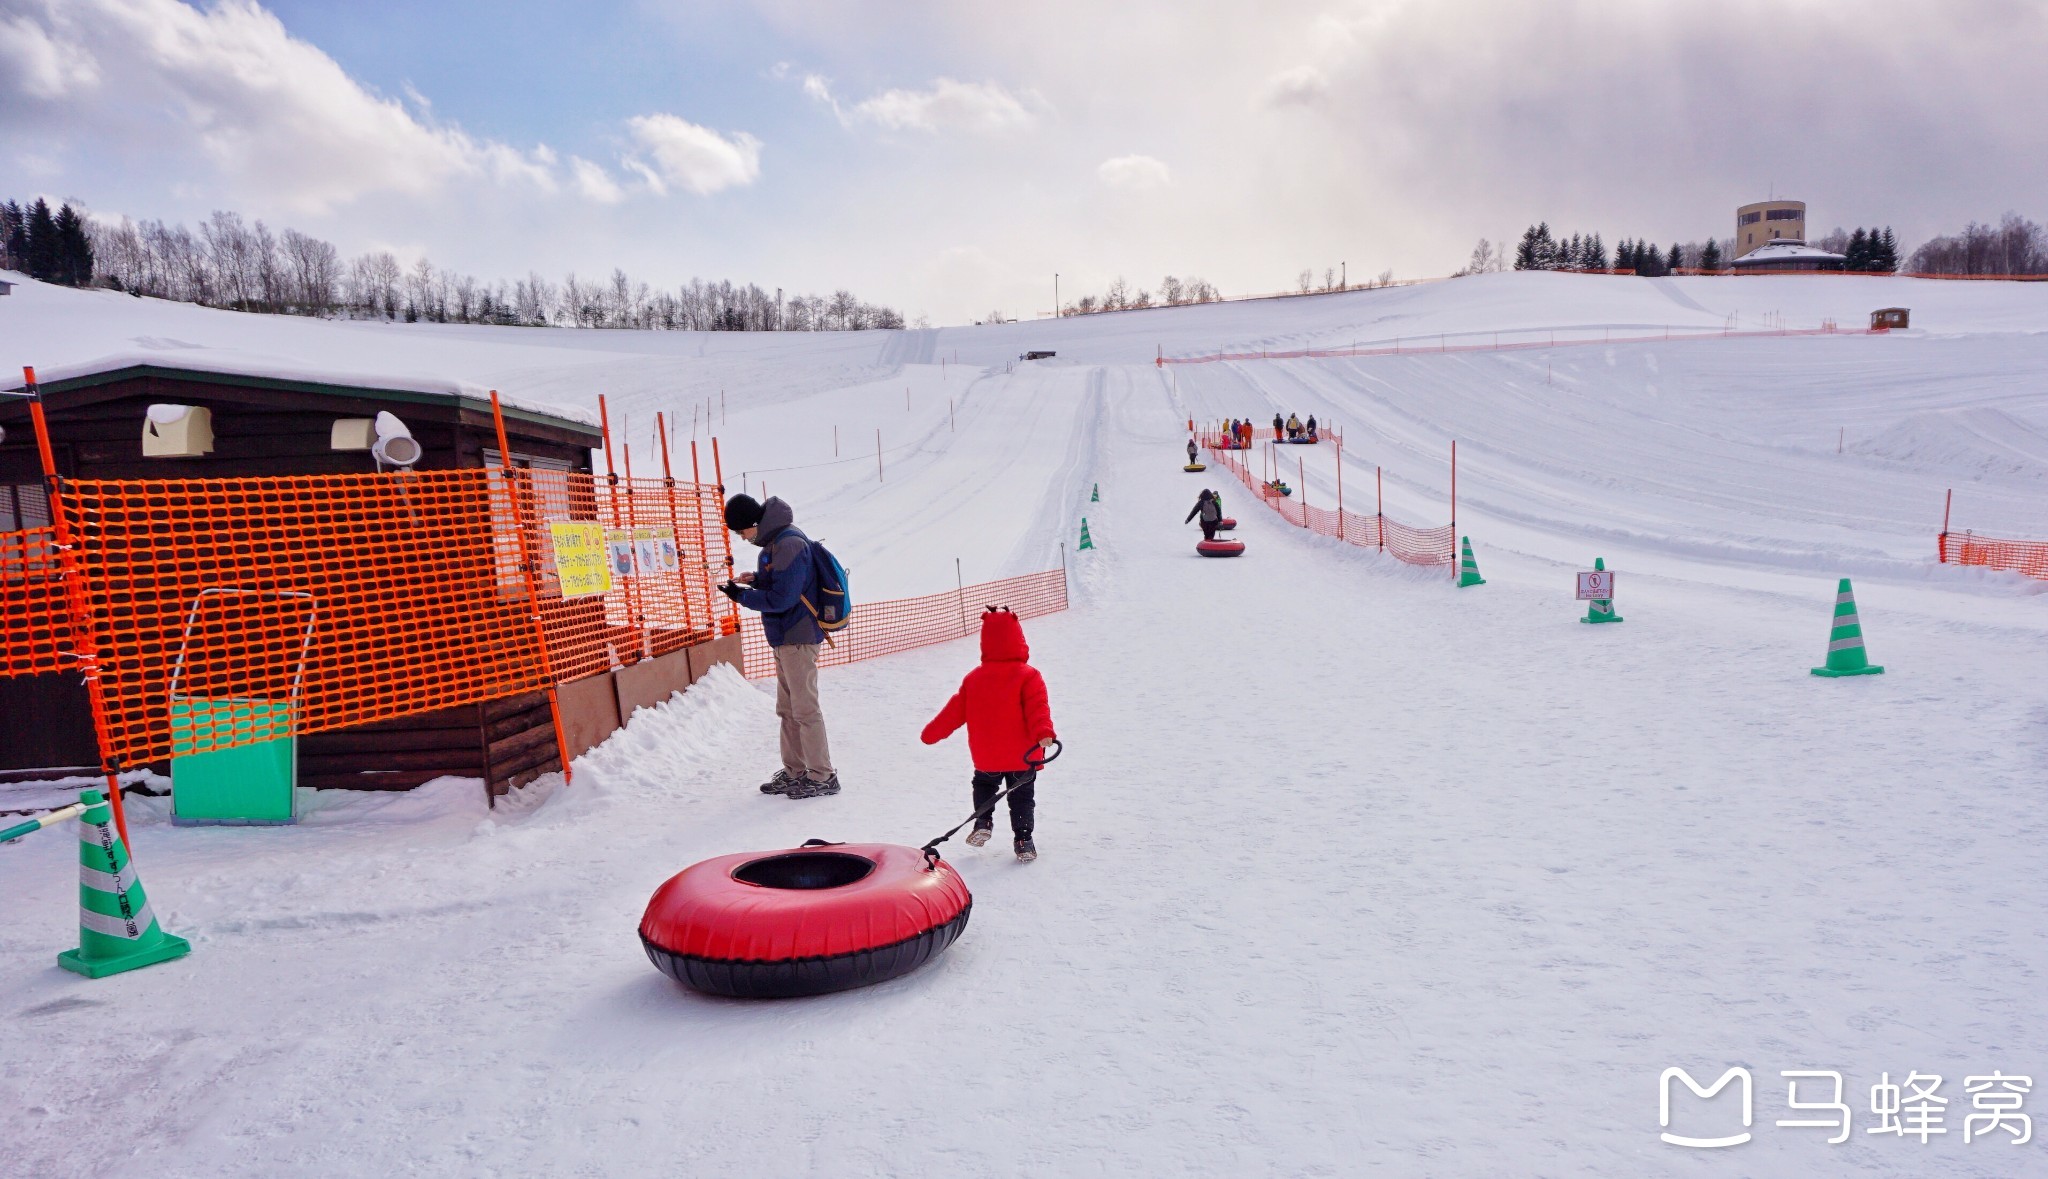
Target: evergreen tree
{"type": "Point", "coordinates": [74, 249]}
{"type": "Point", "coordinates": [40, 251]}
{"type": "Point", "coordinates": [1546, 247]}
{"type": "Point", "coordinates": [1525, 250]}
{"type": "Point", "coordinates": [13, 236]}
{"type": "Point", "coordinates": [1624, 254]}
{"type": "Point", "coordinates": [1710, 255]}
{"type": "Point", "coordinates": [1574, 254]}
{"type": "Point", "coordinates": [1676, 260]}
{"type": "Point", "coordinates": [1596, 253]}
{"type": "Point", "coordinates": [1857, 255]}
{"type": "Point", "coordinates": [1885, 256]}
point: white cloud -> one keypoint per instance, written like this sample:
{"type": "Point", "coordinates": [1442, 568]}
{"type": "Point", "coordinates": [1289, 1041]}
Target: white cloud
{"type": "Point", "coordinates": [280, 122]}
{"type": "Point", "coordinates": [948, 105]}
{"type": "Point", "coordinates": [1304, 85]}
{"type": "Point", "coordinates": [43, 67]}
{"type": "Point", "coordinates": [1134, 173]}
{"type": "Point", "coordinates": [594, 182]}
{"type": "Point", "coordinates": [270, 113]}
{"type": "Point", "coordinates": [697, 159]}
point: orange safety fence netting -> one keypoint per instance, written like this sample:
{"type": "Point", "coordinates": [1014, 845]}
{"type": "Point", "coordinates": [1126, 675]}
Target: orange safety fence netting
{"type": "Point", "coordinates": [33, 636]}
{"type": "Point", "coordinates": [1416, 546]}
{"type": "Point", "coordinates": [229, 611]}
{"type": "Point", "coordinates": [901, 624]}
{"type": "Point", "coordinates": [642, 558]}
{"type": "Point", "coordinates": [2021, 556]}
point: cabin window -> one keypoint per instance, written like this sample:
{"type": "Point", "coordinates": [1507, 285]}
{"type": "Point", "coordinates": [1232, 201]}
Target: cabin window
{"type": "Point", "coordinates": [23, 505]}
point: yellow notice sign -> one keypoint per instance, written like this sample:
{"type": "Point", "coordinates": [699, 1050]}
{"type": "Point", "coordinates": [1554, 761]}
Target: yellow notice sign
{"type": "Point", "coordinates": [580, 557]}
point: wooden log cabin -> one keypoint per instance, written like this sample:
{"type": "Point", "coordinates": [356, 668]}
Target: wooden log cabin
{"type": "Point", "coordinates": [266, 425]}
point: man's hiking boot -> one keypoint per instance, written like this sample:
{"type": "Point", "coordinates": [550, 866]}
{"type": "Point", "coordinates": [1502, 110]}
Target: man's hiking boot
{"type": "Point", "coordinates": [779, 784]}
{"type": "Point", "coordinates": [809, 787]}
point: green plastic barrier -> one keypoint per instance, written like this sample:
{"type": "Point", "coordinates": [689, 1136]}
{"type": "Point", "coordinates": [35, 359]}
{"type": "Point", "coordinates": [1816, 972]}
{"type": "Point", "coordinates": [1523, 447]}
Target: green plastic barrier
{"type": "Point", "coordinates": [250, 783]}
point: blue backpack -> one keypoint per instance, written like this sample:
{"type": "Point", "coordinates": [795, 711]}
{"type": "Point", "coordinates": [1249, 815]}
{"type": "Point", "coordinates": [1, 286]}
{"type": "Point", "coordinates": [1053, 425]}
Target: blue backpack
{"type": "Point", "coordinates": [834, 607]}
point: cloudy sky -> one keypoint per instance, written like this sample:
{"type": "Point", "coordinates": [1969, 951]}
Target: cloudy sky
{"type": "Point", "coordinates": [947, 157]}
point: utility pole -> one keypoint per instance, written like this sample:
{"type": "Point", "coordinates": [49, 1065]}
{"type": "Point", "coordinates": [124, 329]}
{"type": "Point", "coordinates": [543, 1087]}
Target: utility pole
{"type": "Point", "coordinates": [1344, 269]}
{"type": "Point", "coordinates": [1055, 294]}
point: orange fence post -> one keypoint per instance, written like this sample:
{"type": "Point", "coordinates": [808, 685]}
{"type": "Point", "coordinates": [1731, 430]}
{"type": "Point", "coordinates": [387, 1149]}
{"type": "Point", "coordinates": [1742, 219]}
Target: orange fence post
{"type": "Point", "coordinates": [675, 525]}
{"type": "Point", "coordinates": [1947, 502]}
{"type": "Point", "coordinates": [83, 649]}
{"type": "Point", "coordinates": [1339, 444]}
{"type": "Point", "coordinates": [611, 475]}
{"type": "Point", "coordinates": [1454, 504]}
{"type": "Point", "coordinates": [732, 608]}
{"type": "Point", "coordinates": [697, 480]}
{"type": "Point", "coordinates": [526, 568]}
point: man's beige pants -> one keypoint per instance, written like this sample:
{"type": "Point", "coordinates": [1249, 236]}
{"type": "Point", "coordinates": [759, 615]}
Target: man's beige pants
{"type": "Point", "coordinates": [804, 752]}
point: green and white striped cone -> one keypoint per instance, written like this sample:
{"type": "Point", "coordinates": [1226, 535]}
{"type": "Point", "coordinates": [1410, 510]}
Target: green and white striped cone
{"type": "Point", "coordinates": [1600, 609]}
{"type": "Point", "coordinates": [1095, 496]}
{"type": "Point", "coordinates": [1845, 642]}
{"type": "Point", "coordinates": [1468, 569]}
{"type": "Point", "coordinates": [1086, 543]}
{"type": "Point", "coordinates": [116, 929]}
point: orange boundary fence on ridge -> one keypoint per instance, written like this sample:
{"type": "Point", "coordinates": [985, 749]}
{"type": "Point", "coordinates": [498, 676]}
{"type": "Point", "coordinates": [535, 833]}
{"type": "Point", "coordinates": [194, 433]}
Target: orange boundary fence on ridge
{"type": "Point", "coordinates": [1441, 343]}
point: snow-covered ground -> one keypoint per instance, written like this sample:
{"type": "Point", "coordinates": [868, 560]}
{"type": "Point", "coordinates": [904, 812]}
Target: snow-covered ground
{"type": "Point", "coordinates": [1346, 870]}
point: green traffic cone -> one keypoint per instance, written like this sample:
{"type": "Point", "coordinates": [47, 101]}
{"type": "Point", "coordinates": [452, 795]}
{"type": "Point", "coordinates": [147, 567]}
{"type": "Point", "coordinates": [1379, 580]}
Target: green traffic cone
{"type": "Point", "coordinates": [116, 929]}
{"type": "Point", "coordinates": [1600, 609]}
{"type": "Point", "coordinates": [1086, 543]}
{"type": "Point", "coordinates": [1845, 642]}
{"type": "Point", "coordinates": [1468, 569]}
{"type": "Point", "coordinates": [1095, 497]}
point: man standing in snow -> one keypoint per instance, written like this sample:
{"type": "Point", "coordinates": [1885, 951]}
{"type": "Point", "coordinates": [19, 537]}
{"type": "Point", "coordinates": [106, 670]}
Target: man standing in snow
{"type": "Point", "coordinates": [783, 588]}
{"type": "Point", "coordinates": [1279, 428]}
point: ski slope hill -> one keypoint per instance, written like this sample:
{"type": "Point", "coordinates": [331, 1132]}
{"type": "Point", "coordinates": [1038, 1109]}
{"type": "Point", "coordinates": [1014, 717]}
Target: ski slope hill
{"type": "Point", "coordinates": [1615, 443]}
{"type": "Point", "coordinates": [1345, 870]}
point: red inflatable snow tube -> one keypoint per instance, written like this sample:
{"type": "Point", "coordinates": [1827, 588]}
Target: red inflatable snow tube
{"type": "Point", "coordinates": [1227, 523]}
{"type": "Point", "coordinates": [1220, 548]}
{"type": "Point", "coordinates": [819, 918]}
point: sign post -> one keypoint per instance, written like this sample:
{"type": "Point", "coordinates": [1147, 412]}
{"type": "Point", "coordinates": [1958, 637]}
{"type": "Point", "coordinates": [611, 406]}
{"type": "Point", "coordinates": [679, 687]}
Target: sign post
{"type": "Point", "coordinates": [1596, 588]}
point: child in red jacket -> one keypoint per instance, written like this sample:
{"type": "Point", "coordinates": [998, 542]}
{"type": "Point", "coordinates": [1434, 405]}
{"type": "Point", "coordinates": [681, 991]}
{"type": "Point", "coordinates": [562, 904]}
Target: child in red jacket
{"type": "Point", "coordinates": [1003, 705]}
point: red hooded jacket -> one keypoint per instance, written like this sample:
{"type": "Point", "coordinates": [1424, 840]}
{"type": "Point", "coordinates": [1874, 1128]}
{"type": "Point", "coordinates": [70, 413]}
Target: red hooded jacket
{"type": "Point", "coordinates": [1002, 702]}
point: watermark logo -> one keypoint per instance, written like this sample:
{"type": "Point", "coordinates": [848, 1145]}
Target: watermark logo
{"type": "Point", "coordinates": [1911, 1108]}
{"type": "Point", "coordinates": [1706, 1094]}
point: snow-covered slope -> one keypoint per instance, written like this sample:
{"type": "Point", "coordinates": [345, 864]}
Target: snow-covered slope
{"type": "Point", "coordinates": [1346, 870]}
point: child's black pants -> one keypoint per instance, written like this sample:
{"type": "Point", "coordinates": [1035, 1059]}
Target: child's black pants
{"type": "Point", "coordinates": [1022, 799]}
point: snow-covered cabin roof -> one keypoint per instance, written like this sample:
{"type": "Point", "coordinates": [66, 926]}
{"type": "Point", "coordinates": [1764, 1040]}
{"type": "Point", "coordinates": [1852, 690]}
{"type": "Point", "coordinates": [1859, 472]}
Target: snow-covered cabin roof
{"type": "Point", "coordinates": [264, 372]}
{"type": "Point", "coordinates": [1787, 249]}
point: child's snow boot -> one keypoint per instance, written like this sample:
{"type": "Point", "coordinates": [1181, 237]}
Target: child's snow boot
{"type": "Point", "coordinates": [1027, 851]}
{"type": "Point", "coordinates": [979, 836]}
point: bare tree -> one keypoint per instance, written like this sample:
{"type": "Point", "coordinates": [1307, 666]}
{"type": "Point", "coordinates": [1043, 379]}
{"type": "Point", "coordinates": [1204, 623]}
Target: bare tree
{"type": "Point", "coordinates": [1484, 260]}
{"type": "Point", "coordinates": [1171, 292]}
{"type": "Point", "coordinates": [2014, 246]}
